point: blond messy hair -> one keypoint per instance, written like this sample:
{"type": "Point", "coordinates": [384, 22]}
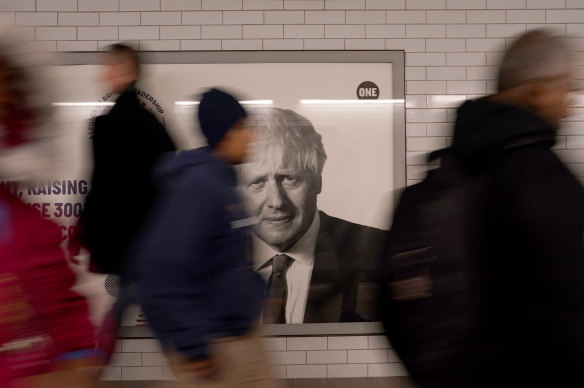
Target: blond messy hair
{"type": "Point", "coordinates": [288, 139]}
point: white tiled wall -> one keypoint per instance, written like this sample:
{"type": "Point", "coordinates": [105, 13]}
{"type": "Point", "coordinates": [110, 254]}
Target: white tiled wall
{"type": "Point", "coordinates": [294, 357]}
{"type": "Point", "coordinates": [452, 48]}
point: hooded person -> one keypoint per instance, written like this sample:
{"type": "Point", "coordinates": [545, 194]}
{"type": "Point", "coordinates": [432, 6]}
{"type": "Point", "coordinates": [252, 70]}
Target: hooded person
{"type": "Point", "coordinates": [197, 288]}
{"type": "Point", "coordinates": [531, 290]}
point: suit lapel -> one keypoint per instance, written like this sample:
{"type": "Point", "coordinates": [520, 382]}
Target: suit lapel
{"type": "Point", "coordinates": [325, 273]}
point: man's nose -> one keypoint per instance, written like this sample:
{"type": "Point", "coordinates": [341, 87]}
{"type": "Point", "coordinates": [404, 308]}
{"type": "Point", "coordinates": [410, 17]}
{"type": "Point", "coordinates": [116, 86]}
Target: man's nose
{"type": "Point", "coordinates": [275, 196]}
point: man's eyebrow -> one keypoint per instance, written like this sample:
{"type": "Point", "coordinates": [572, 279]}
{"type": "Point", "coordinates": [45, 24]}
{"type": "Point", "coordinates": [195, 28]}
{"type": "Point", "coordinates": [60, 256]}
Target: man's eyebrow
{"type": "Point", "coordinates": [253, 177]}
{"type": "Point", "coordinates": [291, 172]}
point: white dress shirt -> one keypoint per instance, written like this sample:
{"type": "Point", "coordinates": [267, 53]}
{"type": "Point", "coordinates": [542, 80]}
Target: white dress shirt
{"type": "Point", "coordinates": [299, 271]}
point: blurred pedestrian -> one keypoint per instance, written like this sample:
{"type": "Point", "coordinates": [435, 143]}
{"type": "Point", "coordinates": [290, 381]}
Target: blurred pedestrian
{"type": "Point", "coordinates": [46, 339]}
{"type": "Point", "coordinates": [199, 291]}
{"type": "Point", "coordinates": [530, 288]}
{"type": "Point", "coordinates": [127, 142]}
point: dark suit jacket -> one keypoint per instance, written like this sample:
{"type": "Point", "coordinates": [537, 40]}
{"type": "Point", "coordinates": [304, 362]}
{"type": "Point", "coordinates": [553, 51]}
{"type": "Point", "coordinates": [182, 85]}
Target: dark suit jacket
{"type": "Point", "coordinates": [341, 288]}
{"type": "Point", "coordinates": [127, 142]}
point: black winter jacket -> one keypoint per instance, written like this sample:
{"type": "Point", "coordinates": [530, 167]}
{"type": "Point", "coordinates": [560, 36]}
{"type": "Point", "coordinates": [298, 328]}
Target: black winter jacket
{"type": "Point", "coordinates": [531, 284]}
{"type": "Point", "coordinates": [127, 143]}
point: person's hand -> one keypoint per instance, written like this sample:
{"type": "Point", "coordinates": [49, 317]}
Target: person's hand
{"type": "Point", "coordinates": [73, 250]}
{"type": "Point", "coordinates": [76, 243]}
{"type": "Point", "coordinates": [204, 368]}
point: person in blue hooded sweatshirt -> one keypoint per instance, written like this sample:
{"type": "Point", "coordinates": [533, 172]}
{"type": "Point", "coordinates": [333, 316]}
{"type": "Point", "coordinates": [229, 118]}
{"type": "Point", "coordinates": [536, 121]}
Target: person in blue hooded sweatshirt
{"type": "Point", "coordinates": [199, 292]}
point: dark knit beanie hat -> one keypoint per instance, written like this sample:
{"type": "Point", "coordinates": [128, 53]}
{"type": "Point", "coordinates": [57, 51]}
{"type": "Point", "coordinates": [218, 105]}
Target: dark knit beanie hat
{"type": "Point", "coordinates": [218, 111]}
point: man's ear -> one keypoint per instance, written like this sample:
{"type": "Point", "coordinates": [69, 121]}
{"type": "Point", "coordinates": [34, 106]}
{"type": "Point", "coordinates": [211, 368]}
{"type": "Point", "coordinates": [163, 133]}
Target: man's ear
{"type": "Point", "coordinates": [317, 182]}
{"type": "Point", "coordinates": [532, 95]}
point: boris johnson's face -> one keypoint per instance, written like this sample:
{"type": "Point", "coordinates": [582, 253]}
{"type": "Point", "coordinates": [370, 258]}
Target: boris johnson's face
{"type": "Point", "coordinates": [284, 200]}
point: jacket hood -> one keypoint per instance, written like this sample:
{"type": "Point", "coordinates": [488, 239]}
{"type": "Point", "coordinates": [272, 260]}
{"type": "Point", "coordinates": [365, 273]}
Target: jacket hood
{"type": "Point", "coordinates": [485, 127]}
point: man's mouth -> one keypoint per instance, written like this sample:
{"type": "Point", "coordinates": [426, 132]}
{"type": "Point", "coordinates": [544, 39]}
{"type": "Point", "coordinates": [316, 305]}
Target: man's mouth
{"type": "Point", "coordinates": [278, 220]}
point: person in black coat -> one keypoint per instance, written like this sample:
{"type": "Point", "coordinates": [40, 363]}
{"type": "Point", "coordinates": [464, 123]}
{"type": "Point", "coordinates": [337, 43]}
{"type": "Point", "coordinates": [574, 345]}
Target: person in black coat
{"type": "Point", "coordinates": [127, 143]}
{"type": "Point", "coordinates": [326, 258]}
{"type": "Point", "coordinates": [531, 282]}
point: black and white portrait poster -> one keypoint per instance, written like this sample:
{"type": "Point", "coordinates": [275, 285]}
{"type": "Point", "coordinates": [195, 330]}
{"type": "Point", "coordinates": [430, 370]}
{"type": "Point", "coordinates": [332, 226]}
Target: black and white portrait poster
{"type": "Point", "coordinates": [319, 182]}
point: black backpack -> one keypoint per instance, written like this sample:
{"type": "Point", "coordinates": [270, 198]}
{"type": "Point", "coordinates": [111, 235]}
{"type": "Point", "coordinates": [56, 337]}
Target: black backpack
{"type": "Point", "coordinates": [429, 287]}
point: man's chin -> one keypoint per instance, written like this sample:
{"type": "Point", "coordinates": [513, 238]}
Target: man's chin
{"type": "Point", "coordinates": [275, 240]}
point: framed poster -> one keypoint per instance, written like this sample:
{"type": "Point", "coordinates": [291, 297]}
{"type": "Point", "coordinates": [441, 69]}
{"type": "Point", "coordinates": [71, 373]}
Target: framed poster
{"type": "Point", "coordinates": [337, 116]}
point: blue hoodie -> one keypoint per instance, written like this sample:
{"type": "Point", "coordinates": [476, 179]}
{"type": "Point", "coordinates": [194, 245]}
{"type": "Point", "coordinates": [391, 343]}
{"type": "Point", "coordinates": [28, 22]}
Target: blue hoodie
{"type": "Point", "coordinates": [193, 278]}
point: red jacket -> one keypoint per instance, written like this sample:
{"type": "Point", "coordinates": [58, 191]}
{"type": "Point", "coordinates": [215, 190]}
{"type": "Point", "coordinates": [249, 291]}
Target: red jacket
{"type": "Point", "coordinates": [40, 317]}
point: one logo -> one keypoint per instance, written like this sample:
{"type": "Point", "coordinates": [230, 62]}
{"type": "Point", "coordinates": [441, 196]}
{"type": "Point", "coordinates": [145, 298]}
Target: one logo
{"type": "Point", "coordinates": [367, 91]}
{"type": "Point", "coordinates": [146, 100]}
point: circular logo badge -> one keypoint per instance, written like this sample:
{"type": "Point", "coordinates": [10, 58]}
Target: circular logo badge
{"type": "Point", "coordinates": [367, 91]}
{"type": "Point", "coordinates": [146, 100]}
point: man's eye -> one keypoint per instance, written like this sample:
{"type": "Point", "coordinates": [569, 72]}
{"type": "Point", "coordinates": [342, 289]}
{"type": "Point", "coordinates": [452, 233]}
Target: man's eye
{"type": "Point", "coordinates": [257, 184]}
{"type": "Point", "coordinates": [291, 180]}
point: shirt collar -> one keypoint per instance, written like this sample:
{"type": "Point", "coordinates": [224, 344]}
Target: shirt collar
{"type": "Point", "coordinates": [302, 250]}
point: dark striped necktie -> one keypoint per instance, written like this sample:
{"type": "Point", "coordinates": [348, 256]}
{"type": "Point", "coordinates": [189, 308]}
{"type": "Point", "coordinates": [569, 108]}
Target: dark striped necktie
{"type": "Point", "coordinates": [277, 290]}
